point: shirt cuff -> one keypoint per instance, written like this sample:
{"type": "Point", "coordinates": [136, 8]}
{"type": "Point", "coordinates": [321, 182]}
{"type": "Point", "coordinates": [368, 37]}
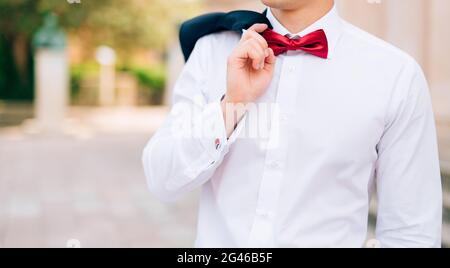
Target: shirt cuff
{"type": "Point", "coordinates": [215, 139]}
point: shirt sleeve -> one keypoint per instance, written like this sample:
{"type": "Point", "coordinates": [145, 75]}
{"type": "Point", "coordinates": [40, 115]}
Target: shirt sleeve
{"type": "Point", "coordinates": [184, 153]}
{"type": "Point", "coordinates": [408, 175]}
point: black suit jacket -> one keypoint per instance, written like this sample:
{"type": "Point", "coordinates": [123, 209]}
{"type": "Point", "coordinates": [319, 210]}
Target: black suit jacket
{"type": "Point", "coordinates": [194, 29]}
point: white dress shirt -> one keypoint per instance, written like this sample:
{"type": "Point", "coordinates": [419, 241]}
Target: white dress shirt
{"type": "Point", "coordinates": [341, 129]}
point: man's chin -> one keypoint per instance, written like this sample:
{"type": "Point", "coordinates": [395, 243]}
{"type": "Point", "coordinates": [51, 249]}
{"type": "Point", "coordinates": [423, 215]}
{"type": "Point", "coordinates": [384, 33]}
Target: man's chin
{"type": "Point", "coordinates": [281, 4]}
{"type": "Point", "coordinates": [273, 3]}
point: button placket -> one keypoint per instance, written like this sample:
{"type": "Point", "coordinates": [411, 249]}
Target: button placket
{"type": "Point", "coordinates": [283, 118]}
{"type": "Point", "coordinates": [265, 214]}
{"type": "Point", "coordinates": [275, 164]}
{"type": "Point", "coordinates": [268, 195]}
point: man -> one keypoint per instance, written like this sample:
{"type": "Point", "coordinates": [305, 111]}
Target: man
{"type": "Point", "coordinates": [352, 116]}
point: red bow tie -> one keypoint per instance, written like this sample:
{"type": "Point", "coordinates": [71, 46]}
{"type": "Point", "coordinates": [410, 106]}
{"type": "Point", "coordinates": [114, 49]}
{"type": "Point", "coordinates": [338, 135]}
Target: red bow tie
{"type": "Point", "coordinates": [315, 43]}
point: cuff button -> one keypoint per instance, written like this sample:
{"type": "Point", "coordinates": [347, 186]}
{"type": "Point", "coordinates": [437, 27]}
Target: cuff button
{"type": "Point", "coordinates": [217, 144]}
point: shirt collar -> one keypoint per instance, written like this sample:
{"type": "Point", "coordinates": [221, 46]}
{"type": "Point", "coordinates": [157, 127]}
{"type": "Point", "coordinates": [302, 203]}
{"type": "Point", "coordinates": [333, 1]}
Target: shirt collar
{"type": "Point", "coordinates": [331, 23]}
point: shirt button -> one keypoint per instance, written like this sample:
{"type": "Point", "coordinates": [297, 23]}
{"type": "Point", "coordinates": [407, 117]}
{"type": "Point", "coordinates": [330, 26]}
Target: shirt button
{"type": "Point", "coordinates": [291, 69]}
{"type": "Point", "coordinates": [275, 164]}
{"type": "Point", "coordinates": [263, 213]}
{"type": "Point", "coordinates": [373, 243]}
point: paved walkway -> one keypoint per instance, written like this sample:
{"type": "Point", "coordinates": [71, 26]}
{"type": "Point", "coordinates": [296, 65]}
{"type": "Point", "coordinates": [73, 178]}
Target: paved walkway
{"type": "Point", "coordinates": [88, 187]}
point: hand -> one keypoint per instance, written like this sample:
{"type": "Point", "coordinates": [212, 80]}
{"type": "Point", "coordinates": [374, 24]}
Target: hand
{"type": "Point", "coordinates": [249, 73]}
{"type": "Point", "coordinates": [250, 67]}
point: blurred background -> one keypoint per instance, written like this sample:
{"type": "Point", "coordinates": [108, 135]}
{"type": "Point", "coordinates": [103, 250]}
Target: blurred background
{"type": "Point", "coordinates": [84, 84]}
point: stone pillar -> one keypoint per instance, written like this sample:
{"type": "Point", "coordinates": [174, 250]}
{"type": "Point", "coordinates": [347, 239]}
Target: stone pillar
{"type": "Point", "coordinates": [51, 76]}
{"type": "Point", "coordinates": [106, 56]}
{"type": "Point", "coordinates": [51, 98]}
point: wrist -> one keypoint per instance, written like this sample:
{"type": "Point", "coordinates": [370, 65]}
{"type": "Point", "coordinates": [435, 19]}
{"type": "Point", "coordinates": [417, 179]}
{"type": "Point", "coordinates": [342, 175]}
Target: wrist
{"type": "Point", "coordinates": [232, 98]}
{"type": "Point", "coordinates": [233, 111]}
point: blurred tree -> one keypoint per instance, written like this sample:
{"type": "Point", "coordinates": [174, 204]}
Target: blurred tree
{"type": "Point", "coordinates": [123, 24]}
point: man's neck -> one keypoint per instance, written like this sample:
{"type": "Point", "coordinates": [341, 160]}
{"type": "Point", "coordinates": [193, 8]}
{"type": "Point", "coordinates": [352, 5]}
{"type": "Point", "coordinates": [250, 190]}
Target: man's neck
{"type": "Point", "coordinates": [296, 20]}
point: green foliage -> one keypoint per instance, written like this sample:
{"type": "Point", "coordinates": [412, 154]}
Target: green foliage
{"type": "Point", "coordinates": [122, 24]}
{"type": "Point", "coordinates": [3, 64]}
{"type": "Point", "coordinates": [79, 73]}
{"type": "Point", "coordinates": [15, 83]}
{"type": "Point", "coordinates": [151, 79]}
{"type": "Point", "coordinates": [125, 25]}
{"type": "Point", "coordinates": [24, 17]}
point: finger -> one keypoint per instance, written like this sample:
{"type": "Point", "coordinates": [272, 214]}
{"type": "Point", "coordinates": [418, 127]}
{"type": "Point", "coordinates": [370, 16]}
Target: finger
{"type": "Point", "coordinates": [256, 55]}
{"type": "Point", "coordinates": [256, 59]}
{"type": "Point", "coordinates": [270, 60]}
{"type": "Point", "coordinates": [256, 36]}
{"type": "Point", "coordinates": [258, 27]}
{"type": "Point", "coordinates": [262, 52]}
{"type": "Point", "coordinates": [251, 50]}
